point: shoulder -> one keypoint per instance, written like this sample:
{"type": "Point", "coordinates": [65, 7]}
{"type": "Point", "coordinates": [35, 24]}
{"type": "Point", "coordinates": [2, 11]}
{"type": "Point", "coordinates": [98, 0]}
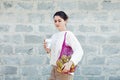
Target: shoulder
{"type": "Point", "coordinates": [55, 35]}
{"type": "Point", "coordinates": [69, 33]}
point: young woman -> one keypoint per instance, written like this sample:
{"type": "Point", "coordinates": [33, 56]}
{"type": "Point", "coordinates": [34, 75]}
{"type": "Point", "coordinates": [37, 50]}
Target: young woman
{"type": "Point", "coordinates": [60, 21]}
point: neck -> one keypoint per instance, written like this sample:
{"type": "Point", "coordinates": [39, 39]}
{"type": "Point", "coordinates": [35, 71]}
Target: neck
{"type": "Point", "coordinates": [63, 29]}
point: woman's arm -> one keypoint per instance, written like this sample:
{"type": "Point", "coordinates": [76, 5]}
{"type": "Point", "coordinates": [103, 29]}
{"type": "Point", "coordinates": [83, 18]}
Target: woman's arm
{"type": "Point", "coordinates": [77, 49]}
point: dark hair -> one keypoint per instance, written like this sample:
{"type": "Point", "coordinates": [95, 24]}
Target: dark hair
{"type": "Point", "coordinates": [62, 14]}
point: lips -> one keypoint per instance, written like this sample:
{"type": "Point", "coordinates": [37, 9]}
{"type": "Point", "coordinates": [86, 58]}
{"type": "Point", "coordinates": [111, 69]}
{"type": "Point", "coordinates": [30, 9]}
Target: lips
{"type": "Point", "coordinates": [57, 26]}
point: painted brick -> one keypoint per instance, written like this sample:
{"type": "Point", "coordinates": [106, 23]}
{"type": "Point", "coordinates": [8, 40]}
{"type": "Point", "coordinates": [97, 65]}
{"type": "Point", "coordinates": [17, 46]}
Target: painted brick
{"type": "Point", "coordinates": [68, 5]}
{"type": "Point", "coordinates": [49, 5]}
{"type": "Point", "coordinates": [35, 18]}
{"type": "Point", "coordinates": [24, 50]}
{"type": "Point", "coordinates": [82, 5]}
{"type": "Point", "coordinates": [33, 39]}
{"type": "Point", "coordinates": [101, 16]}
{"type": "Point", "coordinates": [24, 6]}
{"type": "Point", "coordinates": [9, 70]}
{"type": "Point", "coordinates": [4, 28]}
{"type": "Point", "coordinates": [10, 60]}
{"type": "Point", "coordinates": [109, 28]}
{"type": "Point", "coordinates": [113, 60]}
{"type": "Point", "coordinates": [12, 78]}
{"type": "Point", "coordinates": [90, 49]}
{"type": "Point", "coordinates": [111, 70]}
{"type": "Point", "coordinates": [96, 78]}
{"type": "Point", "coordinates": [35, 60]}
{"type": "Point", "coordinates": [111, 6]}
{"type": "Point", "coordinates": [46, 70]}
{"type": "Point", "coordinates": [23, 28]}
{"type": "Point", "coordinates": [114, 78]}
{"type": "Point", "coordinates": [29, 71]}
{"type": "Point", "coordinates": [91, 70]}
{"type": "Point", "coordinates": [47, 28]}
{"type": "Point", "coordinates": [34, 78]}
{"type": "Point", "coordinates": [16, 39]}
{"type": "Point", "coordinates": [8, 4]}
{"type": "Point", "coordinates": [114, 39]}
{"type": "Point", "coordinates": [96, 60]}
{"type": "Point", "coordinates": [79, 78]}
{"type": "Point", "coordinates": [97, 39]}
{"type": "Point", "coordinates": [86, 28]}
{"type": "Point", "coordinates": [110, 49]}
{"type": "Point", "coordinates": [7, 49]}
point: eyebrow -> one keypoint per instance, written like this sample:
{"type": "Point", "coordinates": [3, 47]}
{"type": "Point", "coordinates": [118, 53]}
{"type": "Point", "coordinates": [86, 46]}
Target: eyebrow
{"type": "Point", "coordinates": [58, 19]}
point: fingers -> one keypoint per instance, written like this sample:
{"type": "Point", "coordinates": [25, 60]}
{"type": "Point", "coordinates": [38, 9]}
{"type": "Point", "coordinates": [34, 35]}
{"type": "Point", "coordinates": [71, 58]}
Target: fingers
{"type": "Point", "coordinates": [65, 68]}
{"type": "Point", "coordinates": [44, 44]}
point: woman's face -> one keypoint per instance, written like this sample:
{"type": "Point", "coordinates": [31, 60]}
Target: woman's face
{"type": "Point", "coordinates": [60, 23]}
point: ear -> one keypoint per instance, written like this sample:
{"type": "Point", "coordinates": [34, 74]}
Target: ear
{"type": "Point", "coordinates": [66, 21]}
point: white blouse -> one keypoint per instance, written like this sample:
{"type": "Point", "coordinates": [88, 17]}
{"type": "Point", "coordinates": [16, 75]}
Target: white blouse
{"type": "Point", "coordinates": [56, 45]}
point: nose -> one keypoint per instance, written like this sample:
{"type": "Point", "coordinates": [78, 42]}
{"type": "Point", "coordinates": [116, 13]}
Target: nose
{"type": "Point", "coordinates": [56, 23]}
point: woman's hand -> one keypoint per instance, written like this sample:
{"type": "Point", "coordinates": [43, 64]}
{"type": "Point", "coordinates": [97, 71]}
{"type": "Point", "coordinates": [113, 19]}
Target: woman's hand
{"type": "Point", "coordinates": [66, 67]}
{"type": "Point", "coordinates": [45, 47]}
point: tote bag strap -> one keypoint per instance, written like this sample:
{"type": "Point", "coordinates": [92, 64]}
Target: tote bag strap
{"type": "Point", "coordinates": [63, 45]}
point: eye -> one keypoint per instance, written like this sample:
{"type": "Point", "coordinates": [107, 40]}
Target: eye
{"type": "Point", "coordinates": [59, 20]}
{"type": "Point", "coordinates": [55, 21]}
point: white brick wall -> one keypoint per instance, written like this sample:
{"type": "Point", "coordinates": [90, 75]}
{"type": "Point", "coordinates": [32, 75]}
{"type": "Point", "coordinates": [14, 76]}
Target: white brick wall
{"type": "Point", "coordinates": [25, 23]}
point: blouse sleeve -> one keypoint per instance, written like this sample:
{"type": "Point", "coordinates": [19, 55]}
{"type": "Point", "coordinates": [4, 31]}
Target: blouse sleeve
{"type": "Point", "coordinates": [77, 49]}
